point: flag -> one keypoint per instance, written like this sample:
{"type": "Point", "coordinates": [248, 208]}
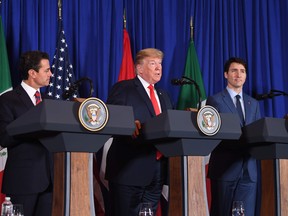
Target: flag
{"type": "Point", "coordinates": [62, 70]}
{"type": "Point", "coordinates": [61, 80]}
{"type": "Point", "coordinates": [5, 79]}
{"type": "Point", "coordinates": [5, 85]}
{"type": "Point", "coordinates": [189, 98]}
{"type": "Point", "coordinates": [127, 66]}
{"type": "Point", "coordinates": [126, 72]}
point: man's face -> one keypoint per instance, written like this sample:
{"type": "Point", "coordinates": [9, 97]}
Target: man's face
{"type": "Point", "coordinates": [42, 77]}
{"type": "Point", "coordinates": [150, 70]}
{"type": "Point", "coordinates": [236, 76]}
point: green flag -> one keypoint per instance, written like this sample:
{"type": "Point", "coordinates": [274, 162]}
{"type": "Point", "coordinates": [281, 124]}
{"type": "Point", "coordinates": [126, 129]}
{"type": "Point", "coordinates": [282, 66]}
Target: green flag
{"type": "Point", "coordinates": [5, 79]}
{"type": "Point", "coordinates": [188, 97]}
{"type": "Point", "coordinates": [5, 85]}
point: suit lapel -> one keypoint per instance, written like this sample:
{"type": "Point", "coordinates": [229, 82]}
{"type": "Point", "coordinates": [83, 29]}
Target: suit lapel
{"type": "Point", "coordinates": [161, 99]}
{"type": "Point", "coordinates": [248, 109]}
{"type": "Point", "coordinates": [228, 101]}
{"type": "Point", "coordinates": [24, 97]}
{"type": "Point", "coordinates": [247, 105]}
{"type": "Point", "coordinates": [144, 95]}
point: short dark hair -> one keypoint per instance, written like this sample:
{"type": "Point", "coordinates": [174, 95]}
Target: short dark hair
{"type": "Point", "coordinates": [234, 60]}
{"type": "Point", "coordinates": [31, 60]}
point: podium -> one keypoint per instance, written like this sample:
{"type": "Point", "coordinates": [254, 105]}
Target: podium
{"type": "Point", "coordinates": [175, 133]}
{"type": "Point", "coordinates": [268, 141]}
{"type": "Point", "coordinates": [55, 124]}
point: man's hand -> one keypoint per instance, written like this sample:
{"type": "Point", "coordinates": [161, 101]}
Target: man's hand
{"type": "Point", "coordinates": [137, 129]}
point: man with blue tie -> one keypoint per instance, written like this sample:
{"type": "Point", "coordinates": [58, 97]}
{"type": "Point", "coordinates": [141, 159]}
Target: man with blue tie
{"type": "Point", "coordinates": [232, 171]}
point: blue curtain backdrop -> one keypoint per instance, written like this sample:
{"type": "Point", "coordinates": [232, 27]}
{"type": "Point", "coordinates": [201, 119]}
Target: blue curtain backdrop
{"type": "Point", "coordinates": [254, 30]}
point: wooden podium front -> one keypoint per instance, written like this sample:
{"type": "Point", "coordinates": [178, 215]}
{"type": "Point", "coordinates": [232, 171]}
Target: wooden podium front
{"type": "Point", "coordinates": [175, 133]}
{"type": "Point", "coordinates": [56, 125]}
{"type": "Point", "coordinates": [268, 138]}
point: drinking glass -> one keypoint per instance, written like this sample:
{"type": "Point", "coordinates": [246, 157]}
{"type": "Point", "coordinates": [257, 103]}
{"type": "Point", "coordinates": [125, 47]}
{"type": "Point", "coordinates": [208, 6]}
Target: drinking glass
{"type": "Point", "coordinates": [146, 209]}
{"type": "Point", "coordinates": [18, 210]}
{"type": "Point", "coordinates": [238, 208]}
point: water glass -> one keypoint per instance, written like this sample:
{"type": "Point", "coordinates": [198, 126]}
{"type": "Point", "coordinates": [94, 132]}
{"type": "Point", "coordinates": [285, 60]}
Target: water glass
{"type": "Point", "coordinates": [18, 210]}
{"type": "Point", "coordinates": [146, 209]}
{"type": "Point", "coordinates": [238, 208]}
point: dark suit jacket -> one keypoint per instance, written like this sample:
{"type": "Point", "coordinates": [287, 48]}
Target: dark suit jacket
{"type": "Point", "coordinates": [29, 167]}
{"type": "Point", "coordinates": [132, 161]}
{"type": "Point", "coordinates": [226, 162]}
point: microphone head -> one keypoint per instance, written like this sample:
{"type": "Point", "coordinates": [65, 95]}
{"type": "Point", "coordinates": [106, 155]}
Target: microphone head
{"type": "Point", "coordinates": [65, 94]}
{"type": "Point", "coordinates": [72, 88]}
{"type": "Point", "coordinates": [183, 81]}
{"type": "Point", "coordinates": [176, 82]}
{"type": "Point", "coordinates": [264, 96]}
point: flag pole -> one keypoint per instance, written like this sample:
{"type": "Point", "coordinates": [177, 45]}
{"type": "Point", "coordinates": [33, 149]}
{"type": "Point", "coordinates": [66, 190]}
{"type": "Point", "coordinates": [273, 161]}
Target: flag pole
{"type": "Point", "coordinates": [124, 18]}
{"type": "Point", "coordinates": [191, 28]}
{"type": "Point", "coordinates": [60, 9]}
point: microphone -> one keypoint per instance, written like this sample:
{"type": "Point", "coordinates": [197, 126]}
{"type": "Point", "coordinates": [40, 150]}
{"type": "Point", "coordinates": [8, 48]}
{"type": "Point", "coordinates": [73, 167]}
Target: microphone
{"type": "Point", "coordinates": [186, 80]}
{"type": "Point", "coordinates": [265, 96]}
{"type": "Point", "coordinates": [74, 87]}
{"type": "Point", "coordinates": [181, 81]}
{"type": "Point", "coordinates": [270, 95]}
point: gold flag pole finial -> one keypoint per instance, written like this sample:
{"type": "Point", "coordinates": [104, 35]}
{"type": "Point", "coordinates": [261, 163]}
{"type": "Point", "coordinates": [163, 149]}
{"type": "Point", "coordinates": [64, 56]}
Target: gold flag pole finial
{"type": "Point", "coordinates": [191, 28]}
{"type": "Point", "coordinates": [124, 17]}
{"type": "Point", "coordinates": [60, 9]}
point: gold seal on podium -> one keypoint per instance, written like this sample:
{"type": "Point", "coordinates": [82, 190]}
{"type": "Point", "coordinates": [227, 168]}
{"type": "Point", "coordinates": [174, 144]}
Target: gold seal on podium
{"type": "Point", "coordinates": [208, 120]}
{"type": "Point", "coordinates": [93, 114]}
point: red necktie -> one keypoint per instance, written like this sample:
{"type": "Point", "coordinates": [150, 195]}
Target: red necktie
{"type": "Point", "coordinates": [153, 100]}
{"type": "Point", "coordinates": [38, 97]}
{"type": "Point", "coordinates": [157, 111]}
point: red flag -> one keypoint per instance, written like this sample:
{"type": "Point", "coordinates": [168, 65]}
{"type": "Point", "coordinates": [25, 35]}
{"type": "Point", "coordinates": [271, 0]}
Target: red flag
{"type": "Point", "coordinates": [127, 66]}
{"type": "Point", "coordinates": [126, 72]}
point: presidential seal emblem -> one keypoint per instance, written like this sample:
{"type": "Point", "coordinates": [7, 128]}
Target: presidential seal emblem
{"type": "Point", "coordinates": [93, 114]}
{"type": "Point", "coordinates": [208, 120]}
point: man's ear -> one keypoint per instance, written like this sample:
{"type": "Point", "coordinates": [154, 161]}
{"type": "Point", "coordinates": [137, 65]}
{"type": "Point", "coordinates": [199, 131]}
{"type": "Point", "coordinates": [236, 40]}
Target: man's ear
{"type": "Point", "coordinates": [31, 73]}
{"type": "Point", "coordinates": [139, 68]}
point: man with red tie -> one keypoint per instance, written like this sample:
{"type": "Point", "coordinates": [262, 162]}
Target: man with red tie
{"type": "Point", "coordinates": [28, 172]}
{"type": "Point", "coordinates": [135, 170]}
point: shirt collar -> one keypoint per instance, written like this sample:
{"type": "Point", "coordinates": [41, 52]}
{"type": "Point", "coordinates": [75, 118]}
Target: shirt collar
{"type": "Point", "coordinates": [144, 82]}
{"type": "Point", "coordinates": [233, 93]}
{"type": "Point", "coordinates": [30, 90]}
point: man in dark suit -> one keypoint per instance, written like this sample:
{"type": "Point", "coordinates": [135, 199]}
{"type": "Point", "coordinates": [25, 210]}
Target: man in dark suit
{"type": "Point", "coordinates": [134, 173]}
{"type": "Point", "coordinates": [233, 172]}
{"type": "Point", "coordinates": [28, 172]}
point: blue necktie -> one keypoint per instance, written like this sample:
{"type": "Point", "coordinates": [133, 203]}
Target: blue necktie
{"type": "Point", "coordinates": [239, 109]}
